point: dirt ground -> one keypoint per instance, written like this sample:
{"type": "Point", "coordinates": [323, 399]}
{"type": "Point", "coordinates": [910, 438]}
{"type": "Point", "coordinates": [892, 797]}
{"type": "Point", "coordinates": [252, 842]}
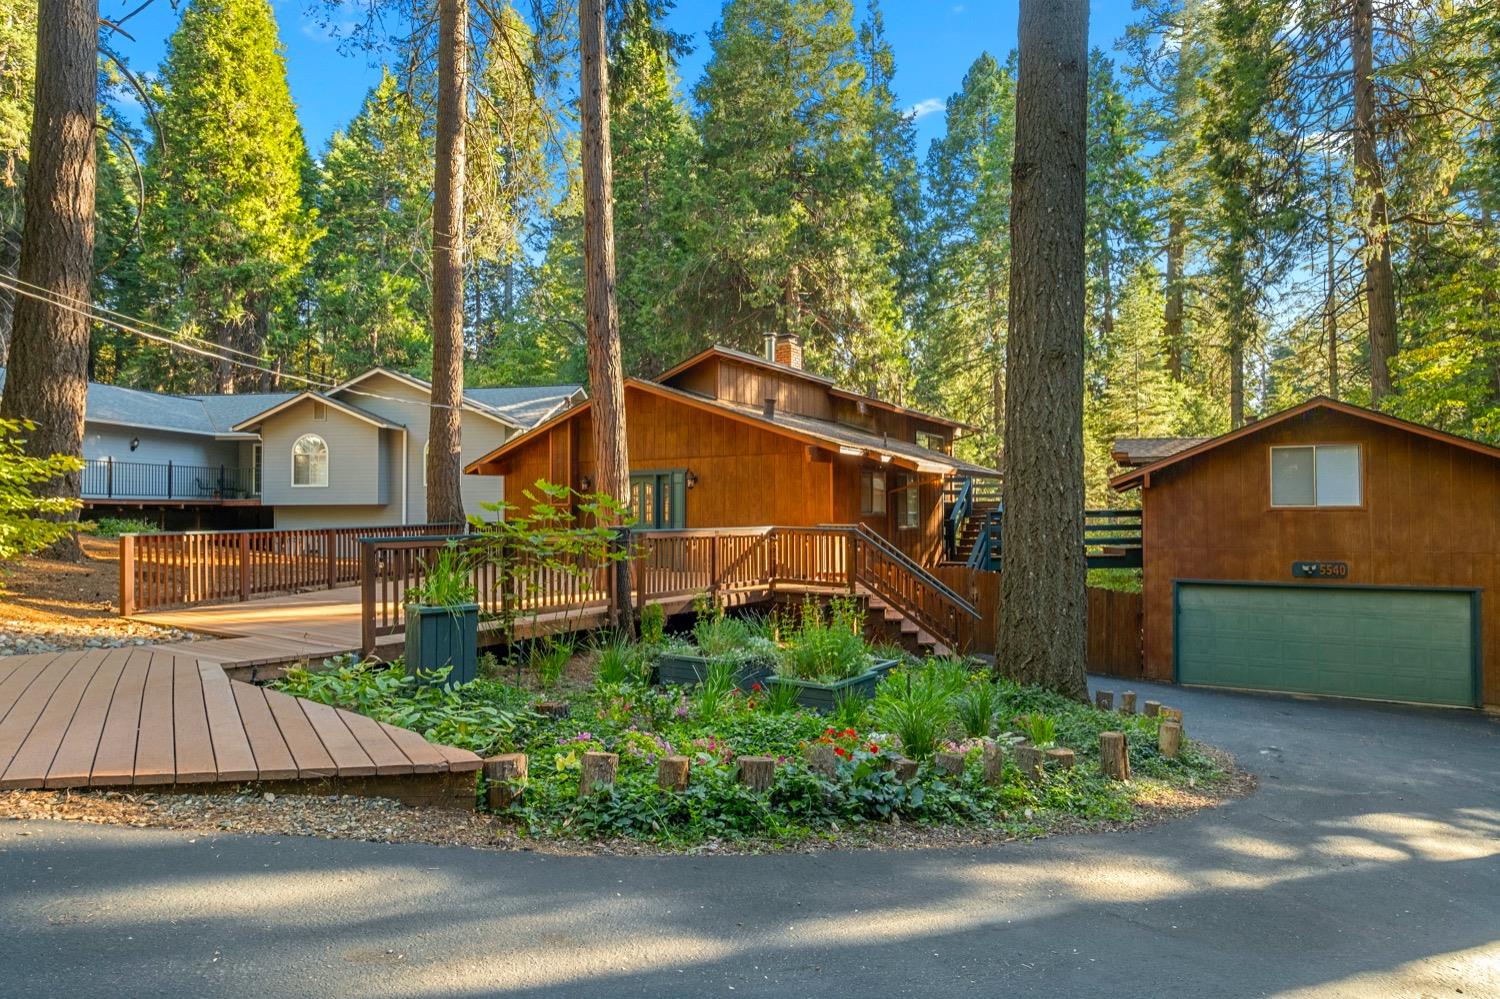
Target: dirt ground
{"type": "Point", "coordinates": [47, 605]}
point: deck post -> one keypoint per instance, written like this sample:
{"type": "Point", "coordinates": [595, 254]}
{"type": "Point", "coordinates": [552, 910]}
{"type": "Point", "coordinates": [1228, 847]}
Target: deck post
{"type": "Point", "coordinates": [244, 566]}
{"type": "Point", "coordinates": [109, 477]}
{"type": "Point", "coordinates": [169, 479]}
{"type": "Point", "coordinates": [713, 568]}
{"type": "Point", "coordinates": [367, 566]}
{"type": "Point", "coordinates": [328, 548]}
{"type": "Point", "coordinates": [127, 575]}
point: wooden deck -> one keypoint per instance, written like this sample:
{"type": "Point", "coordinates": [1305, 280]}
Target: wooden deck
{"type": "Point", "coordinates": [149, 717]}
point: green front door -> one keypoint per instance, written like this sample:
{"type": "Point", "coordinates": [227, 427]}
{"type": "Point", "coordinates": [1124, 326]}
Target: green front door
{"type": "Point", "coordinates": [658, 500]}
{"type": "Point", "coordinates": [1386, 644]}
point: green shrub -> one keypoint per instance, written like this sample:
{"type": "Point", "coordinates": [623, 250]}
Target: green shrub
{"type": "Point", "coordinates": [445, 580]}
{"type": "Point", "coordinates": [111, 528]}
{"type": "Point", "coordinates": [916, 706]}
{"type": "Point", "coordinates": [1039, 730]}
{"type": "Point", "coordinates": [824, 650]}
{"type": "Point", "coordinates": [653, 624]}
{"type": "Point", "coordinates": [28, 522]}
{"type": "Point", "coordinates": [548, 657]}
{"type": "Point", "coordinates": [976, 707]}
{"type": "Point", "coordinates": [614, 657]}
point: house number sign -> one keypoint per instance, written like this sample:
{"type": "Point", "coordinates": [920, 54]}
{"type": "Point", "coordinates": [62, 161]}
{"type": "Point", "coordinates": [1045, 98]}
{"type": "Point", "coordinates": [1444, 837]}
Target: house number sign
{"type": "Point", "coordinates": [1321, 570]}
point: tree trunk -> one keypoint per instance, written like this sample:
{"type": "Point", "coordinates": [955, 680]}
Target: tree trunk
{"type": "Point", "coordinates": [445, 503]}
{"type": "Point", "coordinates": [1172, 319]}
{"type": "Point", "coordinates": [606, 371]}
{"type": "Point", "coordinates": [997, 370]}
{"type": "Point", "coordinates": [1330, 302]}
{"type": "Point", "coordinates": [10, 259]}
{"type": "Point", "coordinates": [47, 375]}
{"type": "Point", "coordinates": [1041, 630]}
{"type": "Point", "coordinates": [1236, 377]}
{"type": "Point", "coordinates": [1380, 282]}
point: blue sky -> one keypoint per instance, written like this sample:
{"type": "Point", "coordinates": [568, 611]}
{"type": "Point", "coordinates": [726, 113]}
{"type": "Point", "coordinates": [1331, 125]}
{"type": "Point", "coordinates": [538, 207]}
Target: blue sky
{"type": "Point", "coordinates": [935, 42]}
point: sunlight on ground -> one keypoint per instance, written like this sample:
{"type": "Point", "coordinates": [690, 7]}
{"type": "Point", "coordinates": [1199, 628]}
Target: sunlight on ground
{"type": "Point", "coordinates": [1459, 972]}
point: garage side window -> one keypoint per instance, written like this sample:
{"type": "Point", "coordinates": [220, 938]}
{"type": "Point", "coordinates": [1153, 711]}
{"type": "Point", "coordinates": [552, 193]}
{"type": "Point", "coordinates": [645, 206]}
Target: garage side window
{"type": "Point", "coordinates": [310, 461]}
{"type": "Point", "coordinates": [1315, 475]}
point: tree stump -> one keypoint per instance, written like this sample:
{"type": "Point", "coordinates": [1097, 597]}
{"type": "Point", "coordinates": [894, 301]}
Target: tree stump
{"type": "Point", "coordinates": [1114, 755]}
{"type": "Point", "coordinates": [1153, 708]}
{"type": "Point", "coordinates": [1169, 739]}
{"type": "Point", "coordinates": [1030, 760]}
{"type": "Point", "coordinates": [821, 759]}
{"type": "Point", "coordinates": [1171, 714]}
{"type": "Point", "coordinates": [950, 763]}
{"type": "Point", "coordinates": [904, 769]}
{"type": "Point", "coordinates": [1104, 700]}
{"type": "Point", "coordinates": [757, 772]}
{"type": "Point", "coordinates": [505, 776]}
{"type": "Point", "coordinates": [553, 709]}
{"type": "Point", "coordinates": [672, 773]}
{"type": "Point", "coordinates": [1063, 758]}
{"type": "Point", "coordinates": [994, 763]}
{"type": "Point", "coordinates": [1127, 703]}
{"type": "Point", "coordinates": [598, 773]}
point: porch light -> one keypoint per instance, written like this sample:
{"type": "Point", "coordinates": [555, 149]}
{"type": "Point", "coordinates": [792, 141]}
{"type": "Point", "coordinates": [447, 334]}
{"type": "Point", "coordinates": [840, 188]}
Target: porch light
{"type": "Point", "coordinates": [856, 452]}
{"type": "Point", "coordinates": [692, 478]}
{"type": "Point", "coordinates": [135, 442]}
{"type": "Point", "coordinates": [585, 484]}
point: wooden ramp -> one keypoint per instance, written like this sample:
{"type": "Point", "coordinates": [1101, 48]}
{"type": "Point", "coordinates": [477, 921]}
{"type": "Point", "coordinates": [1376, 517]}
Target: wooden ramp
{"type": "Point", "coordinates": [148, 717]}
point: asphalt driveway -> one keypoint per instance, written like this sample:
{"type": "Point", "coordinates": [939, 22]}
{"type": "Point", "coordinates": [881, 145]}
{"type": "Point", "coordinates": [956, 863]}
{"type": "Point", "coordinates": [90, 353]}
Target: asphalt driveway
{"type": "Point", "coordinates": [1368, 864]}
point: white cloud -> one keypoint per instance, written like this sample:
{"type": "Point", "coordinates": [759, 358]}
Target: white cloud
{"type": "Point", "coordinates": [922, 109]}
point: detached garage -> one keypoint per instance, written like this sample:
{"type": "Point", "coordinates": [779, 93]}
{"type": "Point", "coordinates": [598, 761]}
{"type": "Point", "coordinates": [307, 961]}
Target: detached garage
{"type": "Point", "coordinates": [1326, 550]}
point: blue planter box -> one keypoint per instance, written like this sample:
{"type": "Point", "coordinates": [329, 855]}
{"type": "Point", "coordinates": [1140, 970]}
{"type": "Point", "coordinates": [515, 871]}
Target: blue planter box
{"type": "Point", "coordinates": [443, 636]}
{"type": "Point", "coordinates": [680, 669]}
{"type": "Point", "coordinates": [825, 696]}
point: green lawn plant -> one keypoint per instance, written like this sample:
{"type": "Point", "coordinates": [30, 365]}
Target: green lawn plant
{"type": "Point", "coordinates": [445, 581]}
{"type": "Point", "coordinates": [825, 648]}
{"type": "Point", "coordinates": [110, 528]}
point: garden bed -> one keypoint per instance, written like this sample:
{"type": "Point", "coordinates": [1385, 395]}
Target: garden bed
{"type": "Point", "coordinates": [935, 757]}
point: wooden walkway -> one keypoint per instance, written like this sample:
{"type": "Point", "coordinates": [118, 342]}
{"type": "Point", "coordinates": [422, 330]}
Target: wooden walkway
{"type": "Point", "coordinates": [258, 636]}
{"type": "Point", "coordinates": [147, 717]}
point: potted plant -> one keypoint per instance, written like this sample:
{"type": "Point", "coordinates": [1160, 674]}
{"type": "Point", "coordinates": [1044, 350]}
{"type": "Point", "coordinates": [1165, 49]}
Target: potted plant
{"type": "Point", "coordinates": [743, 643]}
{"type": "Point", "coordinates": [442, 618]}
{"type": "Point", "coordinates": [827, 660]}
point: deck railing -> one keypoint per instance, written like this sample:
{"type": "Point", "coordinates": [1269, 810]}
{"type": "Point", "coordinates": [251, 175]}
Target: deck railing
{"type": "Point", "coordinates": [105, 478]}
{"type": "Point", "coordinates": [1111, 540]}
{"type": "Point", "coordinates": [193, 567]}
{"type": "Point", "coordinates": [672, 567]}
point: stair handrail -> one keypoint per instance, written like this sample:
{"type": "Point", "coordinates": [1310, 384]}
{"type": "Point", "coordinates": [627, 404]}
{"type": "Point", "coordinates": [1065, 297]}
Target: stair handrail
{"type": "Point", "coordinates": [906, 562]}
{"type": "Point", "coordinates": [958, 512]}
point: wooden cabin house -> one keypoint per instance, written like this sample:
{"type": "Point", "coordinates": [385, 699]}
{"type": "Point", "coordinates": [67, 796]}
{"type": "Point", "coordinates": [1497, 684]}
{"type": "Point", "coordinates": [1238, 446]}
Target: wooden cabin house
{"type": "Point", "coordinates": [1328, 549]}
{"type": "Point", "coordinates": [731, 439]}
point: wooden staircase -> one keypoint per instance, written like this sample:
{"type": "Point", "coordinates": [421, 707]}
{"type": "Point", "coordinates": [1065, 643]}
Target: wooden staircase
{"type": "Point", "coordinates": [969, 531]}
{"type": "Point", "coordinates": [892, 625]}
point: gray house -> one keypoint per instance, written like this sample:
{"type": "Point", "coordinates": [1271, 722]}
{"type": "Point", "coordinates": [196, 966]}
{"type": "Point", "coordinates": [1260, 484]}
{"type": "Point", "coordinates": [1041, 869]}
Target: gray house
{"type": "Point", "coordinates": [353, 455]}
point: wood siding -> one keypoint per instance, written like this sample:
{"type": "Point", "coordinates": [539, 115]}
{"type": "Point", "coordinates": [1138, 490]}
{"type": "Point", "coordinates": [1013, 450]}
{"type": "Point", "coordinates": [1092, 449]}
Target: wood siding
{"type": "Point", "coordinates": [1427, 520]}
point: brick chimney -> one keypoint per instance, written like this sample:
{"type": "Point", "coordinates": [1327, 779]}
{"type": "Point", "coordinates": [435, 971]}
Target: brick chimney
{"type": "Point", "coordinates": [789, 350]}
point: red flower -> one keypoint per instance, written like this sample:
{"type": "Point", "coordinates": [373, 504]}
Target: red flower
{"type": "Point", "coordinates": [874, 748]}
{"type": "Point", "coordinates": [829, 732]}
{"type": "Point", "coordinates": [755, 686]}
{"type": "Point", "coordinates": [840, 751]}
{"type": "Point", "coordinates": [849, 732]}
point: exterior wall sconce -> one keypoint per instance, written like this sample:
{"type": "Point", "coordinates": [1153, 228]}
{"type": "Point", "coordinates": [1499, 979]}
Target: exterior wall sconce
{"type": "Point", "coordinates": [135, 442]}
{"type": "Point", "coordinates": [692, 478]}
{"type": "Point", "coordinates": [585, 484]}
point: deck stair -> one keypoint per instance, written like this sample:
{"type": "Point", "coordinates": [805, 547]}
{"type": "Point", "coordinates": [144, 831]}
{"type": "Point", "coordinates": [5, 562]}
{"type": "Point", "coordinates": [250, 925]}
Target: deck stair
{"type": "Point", "coordinates": [968, 506]}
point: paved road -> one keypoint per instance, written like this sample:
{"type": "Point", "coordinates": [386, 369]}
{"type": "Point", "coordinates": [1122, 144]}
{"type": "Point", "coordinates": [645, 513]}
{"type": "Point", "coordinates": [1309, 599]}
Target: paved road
{"type": "Point", "coordinates": [1367, 865]}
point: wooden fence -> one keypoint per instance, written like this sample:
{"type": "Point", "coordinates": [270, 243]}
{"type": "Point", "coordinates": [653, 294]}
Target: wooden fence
{"type": "Point", "coordinates": [195, 567]}
{"type": "Point", "coordinates": [1114, 621]}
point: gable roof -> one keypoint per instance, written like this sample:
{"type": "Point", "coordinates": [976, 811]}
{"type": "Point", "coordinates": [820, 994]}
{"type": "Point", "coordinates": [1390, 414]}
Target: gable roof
{"type": "Point", "coordinates": [224, 411]}
{"type": "Point", "coordinates": [300, 397]}
{"type": "Point", "coordinates": [765, 364]}
{"type": "Point", "coordinates": [119, 406]}
{"type": "Point", "coordinates": [809, 430]}
{"type": "Point", "coordinates": [469, 403]}
{"type": "Point", "coordinates": [1138, 476]}
{"type": "Point", "coordinates": [528, 405]}
{"type": "Point", "coordinates": [1144, 450]}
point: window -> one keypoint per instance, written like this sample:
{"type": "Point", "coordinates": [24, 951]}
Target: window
{"type": "Point", "coordinates": [658, 499]}
{"type": "Point", "coordinates": [871, 492]}
{"type": "Point", "coordinates": [909, 503]}
{"type": "Point", "coordinates": [310, 461]}
{"type": "Point", "coordinates": [1315, 475]}
{"type": "Point", "coordinates": [932, 441]}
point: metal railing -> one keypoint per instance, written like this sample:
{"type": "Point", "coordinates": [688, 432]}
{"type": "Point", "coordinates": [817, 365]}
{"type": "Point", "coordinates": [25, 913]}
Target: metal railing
{"type": "Point", "coordinates": [105, 478]}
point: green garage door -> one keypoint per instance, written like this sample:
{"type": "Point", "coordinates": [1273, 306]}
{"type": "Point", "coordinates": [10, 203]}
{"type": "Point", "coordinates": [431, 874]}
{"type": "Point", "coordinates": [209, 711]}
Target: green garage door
{"type": "Point", "coordinates": [1393, 645]}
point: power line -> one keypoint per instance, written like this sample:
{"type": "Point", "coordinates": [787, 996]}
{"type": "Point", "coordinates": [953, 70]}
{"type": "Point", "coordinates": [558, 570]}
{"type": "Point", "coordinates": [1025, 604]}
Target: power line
{"type": "Point", "coordinates": [178, 340]}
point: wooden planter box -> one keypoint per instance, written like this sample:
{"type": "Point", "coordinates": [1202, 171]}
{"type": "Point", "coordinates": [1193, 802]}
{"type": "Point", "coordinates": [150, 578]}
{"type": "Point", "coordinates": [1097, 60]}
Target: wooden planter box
{"type": "Point", "coordinates": [443, 636]}
{"type": "Point", "coordinates": [825, 696]}
{"type": "Point", "coordinates": [672, 668]}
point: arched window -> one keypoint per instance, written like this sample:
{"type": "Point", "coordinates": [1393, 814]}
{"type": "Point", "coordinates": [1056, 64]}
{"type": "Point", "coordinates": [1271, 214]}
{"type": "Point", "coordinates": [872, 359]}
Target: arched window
{"type": "Point", "coordinates": [310, 461]}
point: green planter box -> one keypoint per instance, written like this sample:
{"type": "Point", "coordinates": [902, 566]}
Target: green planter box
{"type": "Point", "coordinates": [673, 668]}
{"type": "Point", "coordinates": [443, 636]}
{"type": "Point", "coordinates": [825, 696]}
